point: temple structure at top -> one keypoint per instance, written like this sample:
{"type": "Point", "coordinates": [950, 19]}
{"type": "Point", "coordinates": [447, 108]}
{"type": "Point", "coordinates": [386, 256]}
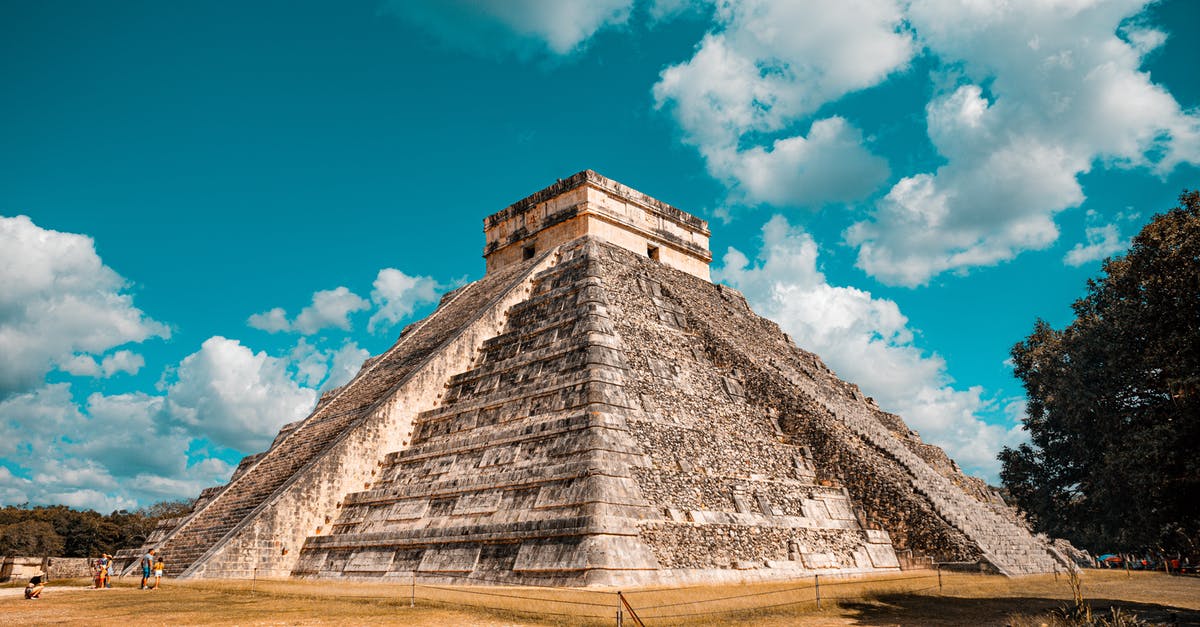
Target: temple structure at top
{"type": "Point", "coordinates": [590, 204]}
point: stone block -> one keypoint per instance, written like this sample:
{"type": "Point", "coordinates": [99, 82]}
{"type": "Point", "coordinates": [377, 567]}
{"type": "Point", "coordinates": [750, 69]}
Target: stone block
{"type": "Point", "coordinates": [882, 555]}
{"type": "Point", "coordinates": [370, 560]}
{"type": "Point", "coordinates": [819, 560]}
{"type": "Point", "coordinates": [449, 559]}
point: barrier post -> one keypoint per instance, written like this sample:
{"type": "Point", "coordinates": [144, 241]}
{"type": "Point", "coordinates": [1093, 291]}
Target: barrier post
{"type": "Point", "coordinates": [620, 622]}
{"type": "Point", "coordinates": [939, 569]}
{"type": "Point", "coordinates": [817, 585]}
{"type": "Point", "coordinates": [629, 608]}
{"type": "Point", "coordinates": [253, 578]}
{"type": "Point", "coordinates": [412, 597]}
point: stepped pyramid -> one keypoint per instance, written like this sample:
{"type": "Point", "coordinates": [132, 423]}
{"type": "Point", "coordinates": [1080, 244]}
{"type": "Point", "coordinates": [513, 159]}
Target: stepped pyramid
{"type": "Point", "coordinates": [594, 411]}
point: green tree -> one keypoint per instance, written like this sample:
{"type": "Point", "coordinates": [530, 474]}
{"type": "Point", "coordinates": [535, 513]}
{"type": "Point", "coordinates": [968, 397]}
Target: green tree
{"type": "Point", "coordinates": [35, 538]}
{"type": "Point", "coordinates": [1113, 461]}
{"type": "Point", "coordinates": [79, 533]}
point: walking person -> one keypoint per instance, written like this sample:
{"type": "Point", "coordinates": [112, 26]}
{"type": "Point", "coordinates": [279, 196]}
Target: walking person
{"type": "Point", "coordinates": [147, 566]}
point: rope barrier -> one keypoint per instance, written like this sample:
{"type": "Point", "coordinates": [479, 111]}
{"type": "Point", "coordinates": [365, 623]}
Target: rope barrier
{"type": "Point", "coordinates": [513, 609]}
{"type": "Point", "coordinates": [513, 596]}
{"type": "Point", "coordinates": [842, 582]}
{"type": "Point", "coordinates": [737, 609]}
{"type": "Point", "coordinates": [474, 578]}
{"type": "Point", "coordinates": [776, 605]}
{"type": "Point", "coordinates": [736, 596]}
{"type": "Point", "coordinates": [647, 612]}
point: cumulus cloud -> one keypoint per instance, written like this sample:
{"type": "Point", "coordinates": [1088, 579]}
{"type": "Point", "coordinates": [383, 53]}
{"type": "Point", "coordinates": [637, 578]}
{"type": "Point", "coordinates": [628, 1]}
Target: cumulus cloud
{"type": "Point", "coordinates": [868, 341]}
{"type": "Point", "coordinates": [234, 396]}
{"type": "Point", "coordinates": [60, 305]}
{"type": "Point", "coordinates": [829, 165]}
{"type": "Point", "coordinates": [325, 368]}
{"type": "Point", "coordinates": [111, 452]}
{"type": "Point", "coordinates": [122, 361]}
{"type": "Point", "coordinates": [396, 294]}
{"type": "Point", "coordinates": [1064, 94]}
{"type": "Point", "coordinates": [344, 364]}
{"type": "Point", "coordinates": [522, 26]}
{"type": "Point", "coordinates": [764, 67]}
{"type": "Point", "coordinates": [1101, 240]}
{"type": "Point", "coordinates": [329, 309]}
{"type": "Point", "coordinates": [274, 320]}
{"type": "Point", "coordinates": [118, 451]}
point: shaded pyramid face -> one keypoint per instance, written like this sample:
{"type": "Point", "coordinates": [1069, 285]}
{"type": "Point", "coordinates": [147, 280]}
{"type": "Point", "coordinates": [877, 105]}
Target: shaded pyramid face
{"type": "Point", "coordinates": [589, 414]}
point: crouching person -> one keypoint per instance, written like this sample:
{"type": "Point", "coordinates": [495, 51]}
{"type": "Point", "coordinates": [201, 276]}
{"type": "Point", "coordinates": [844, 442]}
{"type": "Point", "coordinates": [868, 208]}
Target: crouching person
{"type": "Point", "coordinates": [33, 589]}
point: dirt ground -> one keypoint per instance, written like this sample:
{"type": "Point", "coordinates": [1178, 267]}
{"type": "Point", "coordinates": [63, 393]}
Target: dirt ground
{"type": "Point", "coordinates": [912, 598]}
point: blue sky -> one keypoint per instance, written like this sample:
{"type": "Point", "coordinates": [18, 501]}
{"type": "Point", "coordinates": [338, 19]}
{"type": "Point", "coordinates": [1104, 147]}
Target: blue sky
{"type": "Point", "coordinates": [211, 212]}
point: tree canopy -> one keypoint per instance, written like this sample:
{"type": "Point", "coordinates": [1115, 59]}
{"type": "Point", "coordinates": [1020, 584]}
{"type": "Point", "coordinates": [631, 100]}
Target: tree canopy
{"type": "Point", "coordinates": [1113, 461]}
{"type": "Point", "coordinates": [59, 531]}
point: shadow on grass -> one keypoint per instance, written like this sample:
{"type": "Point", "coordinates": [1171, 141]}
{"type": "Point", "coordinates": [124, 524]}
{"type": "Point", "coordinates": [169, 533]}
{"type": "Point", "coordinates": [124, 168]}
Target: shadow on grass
{"type": "Point", "coordinates": [919, 609]}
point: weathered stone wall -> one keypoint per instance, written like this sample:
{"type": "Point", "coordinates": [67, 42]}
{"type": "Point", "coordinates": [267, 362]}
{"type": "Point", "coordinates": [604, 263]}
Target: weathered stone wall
{"type": "Point", "coordinates": [735, 493]}
{"type": "Point", "coordinates": [17, 568]}
{"type": "Point", "coordinates": [588, 204]}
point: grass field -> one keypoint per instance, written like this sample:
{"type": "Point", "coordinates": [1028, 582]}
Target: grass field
{"type": "Point", "coordinates": [912, 598]}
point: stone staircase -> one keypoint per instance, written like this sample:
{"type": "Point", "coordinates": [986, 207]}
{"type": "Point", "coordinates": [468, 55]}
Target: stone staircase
{"type": "Point", "coordinates": [1004, 544]}
{"type": "Point", "coordinates": [249, 491]}
{"type": "Point", "coordinates": [503, 478]}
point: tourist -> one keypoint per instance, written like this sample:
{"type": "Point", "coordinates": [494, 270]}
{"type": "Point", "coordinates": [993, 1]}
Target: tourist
{"type": "Point", "coordinates": [158, 571]}
{"type": "Point", "coordinates": [108, 570]}
{"type": "Point", "coordinates": [33, 590]}
{"type": "Point", "coordinates": [102, 570]}
{"type": "Point", "coordinates": [147, 565]}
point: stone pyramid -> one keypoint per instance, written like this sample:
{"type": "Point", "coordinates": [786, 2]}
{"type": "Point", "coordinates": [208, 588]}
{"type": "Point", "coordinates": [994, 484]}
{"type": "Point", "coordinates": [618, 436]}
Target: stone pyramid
{"type": "Point", "coordinates": [594, 411]}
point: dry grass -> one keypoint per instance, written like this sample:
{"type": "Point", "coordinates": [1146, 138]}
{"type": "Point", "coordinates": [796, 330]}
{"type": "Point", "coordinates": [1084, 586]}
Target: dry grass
{"type": "Point", "coordinates": [909, 599]}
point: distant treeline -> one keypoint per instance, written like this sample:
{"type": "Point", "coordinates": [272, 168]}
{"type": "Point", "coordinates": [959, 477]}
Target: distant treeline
{"type": "Point", "coordinates": [59, 531]}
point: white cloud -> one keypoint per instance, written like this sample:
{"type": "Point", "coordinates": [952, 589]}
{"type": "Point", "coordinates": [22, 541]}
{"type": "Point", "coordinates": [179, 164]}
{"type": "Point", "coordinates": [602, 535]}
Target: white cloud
{"type": "Point", "coordinates": [80, 366]}
{"type": "Point", "coordinates": [1102, 241]}
{"type": "Point", "coordinates": [867, 340]}
{"type": "Point", "coordinates": [829, 165]}
{"type": "Point", "coordinates": [346, 363]}
{"type": "Point", "coordinates": [273, 321]}
{"type": "Point", "coordinates": [121, 450]}
{"type": "Point", "coordinates": [763, 68]}
{"type": "Point", "coordinates": [234, 396]}
{"type": "Point", "coordinates": [59, 305]}
{"type": "Point", "coordinates": [87, 366]}
{"type": "Point", "coordinates": [396, 294]}
{"type": "Point", "coordinates": [122, 361]}
{"type": "Point", "coordinates": [329, 309]}
{"type": "Point", "coordinates": [1065, 94]}
{"type": "Point", "coordinates": [113, 452]}
{"type": "Point", "coordinates": [557, 26]}
{"type": "Point", "coordinates": [316, 367]}
{"type": "Point", "coordinates": [13, 490]}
